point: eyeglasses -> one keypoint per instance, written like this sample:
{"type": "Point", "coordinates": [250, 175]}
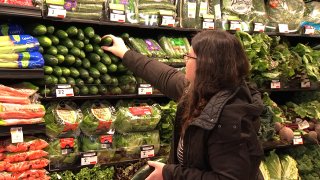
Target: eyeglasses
{"type": "Point", "coordinates": [187, 57]}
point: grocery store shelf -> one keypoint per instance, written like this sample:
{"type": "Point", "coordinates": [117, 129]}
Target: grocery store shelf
{"type": "Point", "coordinates": [108, 23]}
{"type": "Point", "coordinates": [21, 73]}
{"type": "Point", "coordinates": [289, 89]}
{"type": "Point", "coordinates": [28, 129]}
{"type": "Point", "coordinates": [124, 96]}
{"type": "Point", "coordinates": [25, 11]}
{"type": "Point", "coordinates": [271, 145]}
{"type": "Point", "coordinates": [293, 35]}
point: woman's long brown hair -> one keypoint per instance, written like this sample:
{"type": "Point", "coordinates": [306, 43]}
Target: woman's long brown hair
{"type": "Point", "coordinates": [221, 64]}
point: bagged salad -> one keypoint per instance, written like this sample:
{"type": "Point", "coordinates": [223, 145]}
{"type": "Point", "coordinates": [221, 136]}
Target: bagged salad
{"type": "Point", "coordinates": [137, 118]}
{"type": "Point", "coordinates": [132, 143]}
{"type": "Point", "coordinates": [63, 152]}
{"type": "Point", "coordinates": [62, 119]}
{"type": "Point", "coordinates": [98, 117]}
{"type": "Point", "coordinates": [285, 12]}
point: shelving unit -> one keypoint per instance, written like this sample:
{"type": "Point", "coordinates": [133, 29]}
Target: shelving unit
{"type": "Point", "coordinates": [36, 14]}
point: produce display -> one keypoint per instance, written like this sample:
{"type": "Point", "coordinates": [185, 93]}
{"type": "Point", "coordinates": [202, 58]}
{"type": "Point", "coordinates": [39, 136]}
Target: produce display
{"type": "Point", "coordinates": [19, 51]}
{"type": "Point", "coordinates": [137, 118]}
{"type": "Point", "coordinates": [74, 56]}
{"type": "Point", "coordinates": [62, 119]}
{"type": "Point", "coordinates": [18, 105]}
{"type": "Point", "coordinates": [63, 152]}
{"type": "Point", "coordinates": [83, 9]}
{"type": "Point", "coordinates": [23, 160]}
{"type": "Point", "coordinates": [98, 117]}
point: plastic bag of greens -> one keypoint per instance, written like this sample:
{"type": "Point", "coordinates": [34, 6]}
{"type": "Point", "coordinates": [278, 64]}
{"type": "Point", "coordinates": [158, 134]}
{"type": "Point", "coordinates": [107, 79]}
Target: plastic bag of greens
{"type": "Point", "coordinates": [188, 13]}
{"type": "Point", "coordinates": [98, 117]}
{"type": "Point", "coordinates": [63, 152]}
{"type": "Point", "coordinates": [133, 143]}
{"type": "Point", "coordinates": [62, 119]}
{"type": "Point", "coordinates": [285, 12]}
{"type": "Point", "coordinates": [246, 12]}
{"type": "Point", "coordinates": [137, 118]}
{"type": "Point", "coordinates": [312, 12]}
{"type": "Point", "coordinates": [96, 142]}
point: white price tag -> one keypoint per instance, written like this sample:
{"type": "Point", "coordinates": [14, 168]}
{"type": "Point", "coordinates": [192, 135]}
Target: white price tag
{"type": "Point", "coordinates": [297, 140]}
{"type": "Point", "coordinates": [147, 151]}
{"type": "Point", "coordinates": [192, 7]}
{"type": "Point", "coordinates": [64, 92]}
{"type": "Point", "coordinates": [234, 25]}
{"type": "Point", "coordinates": [305, 84]}
{"type": "Point", "coordinates": [259, 27]}
{"type": "Point", "coordinates": [145, 89]}
{"type": "Point", "coordinates": [283, 28]}
{"type": "Point", "coordinates": [117, 17]}
{"type": "Point", "coordinates": [309, 31]}
{"type": "Point", "coordinates": [64, 151]}
{"type": "Point", "coordinates": [303, 125]}
{"type": "Point", "coordinates": [88, 160]}
{"type": "Point", "coordinates": [57, 13]}
{"type": "Point", "coordinates": [208, 25]}
{"type": "Point", "coordinates": [275, 85]}
{"type": "Point", "coordinates": [168, 21]}
{"type": "Point", "coordinates": [16, 135]}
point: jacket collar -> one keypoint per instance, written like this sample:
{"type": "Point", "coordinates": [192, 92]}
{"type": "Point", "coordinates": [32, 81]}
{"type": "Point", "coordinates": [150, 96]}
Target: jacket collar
{"type": "Point", "coordinates": [212, 111]}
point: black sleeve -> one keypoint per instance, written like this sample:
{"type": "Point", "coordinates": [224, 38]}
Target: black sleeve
{"type": "Point", "coordinates": [168, 80]}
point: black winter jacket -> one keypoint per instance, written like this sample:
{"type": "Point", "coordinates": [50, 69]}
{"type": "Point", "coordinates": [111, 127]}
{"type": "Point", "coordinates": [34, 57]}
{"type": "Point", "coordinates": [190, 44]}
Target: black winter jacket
{"type": "Point", "coordinates": [219, 144]}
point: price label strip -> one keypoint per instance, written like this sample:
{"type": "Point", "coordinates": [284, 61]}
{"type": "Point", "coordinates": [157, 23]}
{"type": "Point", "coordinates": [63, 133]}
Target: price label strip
{"type": "Point", "coordinates": [147, 151]}
{"type": "Point", "coordinates": [56, 12]}
{"type": "Point", "coordinates": [167, 18]}
{"type": "Point", "coordinates": [16, 135]}
{"type": "Point", "coordinates": [259, 27]}
{"type": "Point", "coordinates": [297, 140]}
{"type": "Point", "coordinates": [64, 90]}
{"type": "Point", "coordinates": [275, 84]}
{"type": "Point", "coordinates": [283, 28]}
{"type": "Point", "coordinates": [89, 158]}
{"type": "Point", "coordinates": [117, 13]}
{"type": "Point", "coordinates": [145, 89]}
{"type": "Point", "coordinates": [208, 21]}
{"type": "Point", "coordinates": [308, 30]}
{"type": "Point", "coordinates": [235, 25]}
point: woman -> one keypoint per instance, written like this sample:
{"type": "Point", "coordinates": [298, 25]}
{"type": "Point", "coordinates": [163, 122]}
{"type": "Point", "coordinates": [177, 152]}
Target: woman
{"type": "Point", "coordinates": [217, 116]}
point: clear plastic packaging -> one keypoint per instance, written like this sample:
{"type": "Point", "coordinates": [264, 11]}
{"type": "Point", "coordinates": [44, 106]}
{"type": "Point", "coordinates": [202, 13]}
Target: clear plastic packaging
{"type": "Point", "coordinates": [11, 29]}
{"type": "Point", "coordinates": [18, 43]}
{"type": "Point", "coordinates": [24, 156]}
{"type": "Point", "coordinates": [137, 118]}
{"type": "Point", "coordinates": [63, 152]}
{"type": "Point", "coordinates": [84, 9]}
{"type": "Point", "coordinates": [16, 111]}
{"type": "Point", "coordinates": [287, 12]}
{"type": "Point", "coordinates": [62, 119]}
{"type": "Point", "coordinates": [98, 117]}
{"type": "Point", "coordinates": [131, 144]}
{"type": "Point", "coordinates": [188, 13]}
{"type": "Point", "coordinates": [96, 142]}
{"type": "Point", "coordinates": [30, 144]}
{"type": "Point", "coordinates": [312, 12]}
{"type": "Point", "coordinates": [22, 60]}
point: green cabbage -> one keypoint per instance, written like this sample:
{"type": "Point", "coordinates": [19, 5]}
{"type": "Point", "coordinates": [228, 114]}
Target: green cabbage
{"type": "Point", "coordinates": [274, 166]}
{"type": "Point", "coordinates": [289, 168]}
{"type": "Point", "coordinates": [264, 171]}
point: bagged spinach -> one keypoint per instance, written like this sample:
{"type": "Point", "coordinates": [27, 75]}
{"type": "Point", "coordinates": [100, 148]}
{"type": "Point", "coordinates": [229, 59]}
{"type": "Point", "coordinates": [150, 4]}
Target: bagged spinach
{"type": "Point", "coordinates": [285, 12]}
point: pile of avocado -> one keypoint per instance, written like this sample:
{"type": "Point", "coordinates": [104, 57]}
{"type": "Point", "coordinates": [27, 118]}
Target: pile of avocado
{"type": "Point", "coordinates": [74, 56]}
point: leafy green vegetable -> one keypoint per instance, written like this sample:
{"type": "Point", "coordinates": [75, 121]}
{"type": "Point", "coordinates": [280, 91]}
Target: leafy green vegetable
{"type": "Point", "coordinates": [277, 111]}
{"type": "Point", "coordinates": [138, 118]}
{"type": "Point", "coordinates": [266, 131]}
{"type": "Point", "coordinates": [132, 142]}
{"type": "Point", "coordinates": [62, 119]}
{"type": "Point", "coordinates": [264, 170]}
{"type": "Point", "coordinates": [289, 168]}
{"type": "Point", "coordinates": [98, 117]}
{"type": "Point", "coordinates": [165, 126]}
{"type": "Point", "coordinates": [274, 166]}
{"type": "Point", "coordinates": [55, 153]}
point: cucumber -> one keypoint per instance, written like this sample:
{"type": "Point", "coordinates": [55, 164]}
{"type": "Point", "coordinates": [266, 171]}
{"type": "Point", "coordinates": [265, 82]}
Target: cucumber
{"type": "Point", "coordinates": [144, 46]}
{"type": "Point", "coordinates": [166, 46]}
{"type": "Point", "coordinates": [136, 45]}
{"type": "Point", "coordinates": [186, 42]}
{"type": "Point", "coordinates": [160, 52]}
{"type": "Point", "coordinates": [145, 170]}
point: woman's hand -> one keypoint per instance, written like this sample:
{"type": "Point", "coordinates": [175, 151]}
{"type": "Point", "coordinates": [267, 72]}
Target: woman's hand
{"type": "Point", "coordinates": [157, 173]}
{"type": "Point", "coordinates": [118, 47]}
